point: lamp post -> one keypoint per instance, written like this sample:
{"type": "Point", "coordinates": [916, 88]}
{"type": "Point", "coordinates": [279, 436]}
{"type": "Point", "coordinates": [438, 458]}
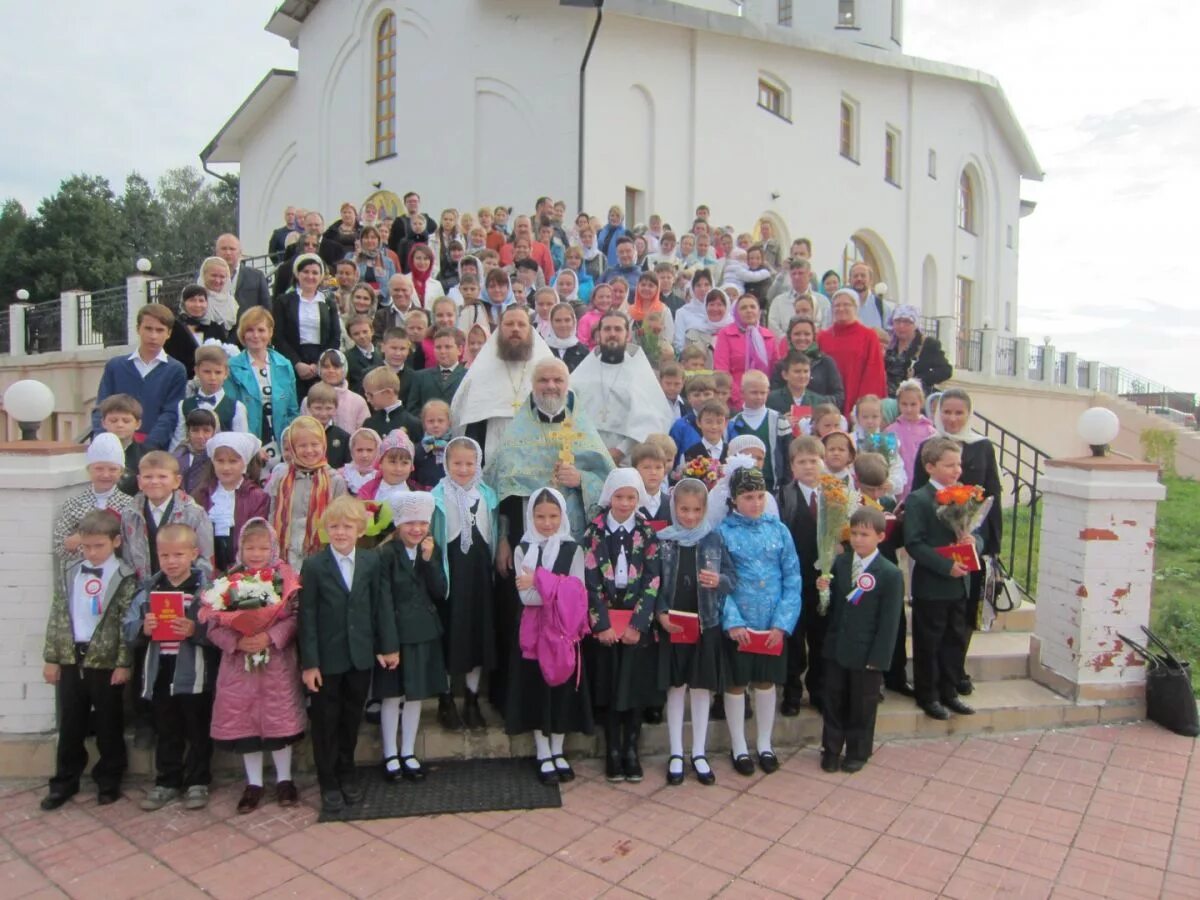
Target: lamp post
{"type": "Point", "coordinates": [29, 402]}
{"type": "Point", "coordinates": [22, 296]}
{"type": "Point", "coordinates": [1098, 427]}
{"type": "Point", "coordinates": [143, 265]}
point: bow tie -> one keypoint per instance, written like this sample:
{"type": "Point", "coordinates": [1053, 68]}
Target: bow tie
{"type": "Point", "coordinates": [430, 444]}
{"type": "Point", "coordinates": [92, 570]}
{"type": "Point", "coordinates": [206, 398]}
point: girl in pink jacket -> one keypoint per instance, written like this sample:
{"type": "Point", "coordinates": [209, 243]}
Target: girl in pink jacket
{"type": "Point", "coordinates": [911, 429]}
{"type": "Point", "coordinates": [261, 708]}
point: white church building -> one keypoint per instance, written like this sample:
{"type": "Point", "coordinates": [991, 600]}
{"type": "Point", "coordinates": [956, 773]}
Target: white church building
{"type": "Point", "coordinates": [808, 113]}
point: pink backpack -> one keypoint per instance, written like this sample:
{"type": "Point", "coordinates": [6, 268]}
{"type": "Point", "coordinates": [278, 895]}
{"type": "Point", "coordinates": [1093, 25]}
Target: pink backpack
{"type": "Point", "coordinates": [551, 633]}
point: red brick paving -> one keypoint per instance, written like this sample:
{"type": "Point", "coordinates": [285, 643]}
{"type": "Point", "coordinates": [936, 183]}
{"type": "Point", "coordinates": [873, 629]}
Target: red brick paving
{"type": "Point", "coordinates": [1078, 813]}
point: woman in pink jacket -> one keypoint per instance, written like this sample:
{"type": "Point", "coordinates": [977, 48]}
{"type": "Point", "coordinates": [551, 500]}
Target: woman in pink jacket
{"type": "Point", "coordinates": [260, 707]}
{"type": "Point", "coordinates": [744, 345]}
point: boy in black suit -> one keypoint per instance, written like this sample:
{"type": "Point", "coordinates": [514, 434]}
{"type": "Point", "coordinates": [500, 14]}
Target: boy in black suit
{"type": "Point", "coordinates": [346, 625]}
{"type": "Point", "coordinates": [864, 613]}
{"type": "Point", "coordinates": [363, 355]}
{"type": "Point", "coordinates": [712, 419]}
{"type": "Point", "coordinates": [441, 380]}
{"type": "Point", "coordinates": [799, 509]}
{"type": "Point", "coordinates": [382, 389]}
{"type": "Point", "coordinates": [939, 587]}
{"type": "Point", "coordinates": [322, 403]}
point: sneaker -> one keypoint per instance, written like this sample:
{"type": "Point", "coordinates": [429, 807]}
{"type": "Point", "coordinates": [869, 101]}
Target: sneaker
{"type": "Point", "coordinates": [196, 797]}
{"type": "Point", "coordinates": [159, 797]}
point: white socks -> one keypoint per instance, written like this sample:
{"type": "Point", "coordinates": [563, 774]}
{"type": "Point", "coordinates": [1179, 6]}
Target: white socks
{"type": "Point", "coordinates": [764, 716]}
{"type": "Point", "coordinates": [473, 679]}
{"type": "Point", "coordinates": [735, 718]}
{"type": "Point", "coordinates": [283, 763]}
{"type": "Point", "coordinates": [254, 766]}
{"type": "Point", "coordinates": [701, 704]}
{"type": "Point", "coordinates": [675, 698]}
{"type": "Point", "coordinates": [389, 724]}
{"type": "Point", "coordinates": [408, 727]}
{"type": "Point", "coordinates": [556, 744]}
{"type": "Point", "coordinates": [541, 744]}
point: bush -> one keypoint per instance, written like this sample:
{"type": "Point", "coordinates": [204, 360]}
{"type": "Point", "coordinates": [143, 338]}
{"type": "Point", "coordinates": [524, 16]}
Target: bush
{"type": "Point", "coordinates": [1158, 446]}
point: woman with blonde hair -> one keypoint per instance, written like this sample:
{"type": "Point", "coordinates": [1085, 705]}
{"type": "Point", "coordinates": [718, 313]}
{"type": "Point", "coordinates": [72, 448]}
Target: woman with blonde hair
{"type": "Point", "coordinates": [222, 305]}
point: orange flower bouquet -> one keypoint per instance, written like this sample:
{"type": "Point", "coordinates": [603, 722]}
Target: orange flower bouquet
{"type": "Point", "coordinates": [962, 508]}
{"type": "Point", "coordinates": [832, 525]}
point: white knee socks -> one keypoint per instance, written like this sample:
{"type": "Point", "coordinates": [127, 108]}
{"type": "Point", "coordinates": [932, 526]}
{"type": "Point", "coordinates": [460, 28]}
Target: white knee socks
{"type": "Point", "coordinates": [675, 697]}
{"type": "Point", "coordinates": [764, 715]}
{"type": "Point", "coordinates": [283, 763]}
{"type": "Point", "coordinates": [473, 679]}
{"type": "Point", "coordinates": [408, 727]}
{"type": "Point", "coordinates": [389, 724]}
{"type": "Point", "coordinates": [556, 744]}
{"type": "Point", "coordinates": [541, 744]}
{"type": "Point", "coordinates": [254, 768]}
{"type": "Point", "coordinates": [735, 718]}
{"type": "Point", "coordinates": [701, 704]}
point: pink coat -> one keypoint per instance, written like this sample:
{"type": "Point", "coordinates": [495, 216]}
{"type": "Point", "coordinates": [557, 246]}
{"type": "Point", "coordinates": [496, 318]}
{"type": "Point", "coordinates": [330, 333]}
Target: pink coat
{"type": "Point", "coordinates": [911, 436]}
{"type": "Point", "coordinates": [729, 355]}
{"type": "Point", "coordinates": [588, 321]}
{"type": "Point", "coordinates": [268, 703]}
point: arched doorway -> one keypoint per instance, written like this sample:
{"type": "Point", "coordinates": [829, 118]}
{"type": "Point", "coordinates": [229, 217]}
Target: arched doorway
{"type": "Point", "coordinates": [779, 231]}
{"type": "Point", "coordinates": [387, 203]}
{"type": "Point", "coordinates": [868, 247]}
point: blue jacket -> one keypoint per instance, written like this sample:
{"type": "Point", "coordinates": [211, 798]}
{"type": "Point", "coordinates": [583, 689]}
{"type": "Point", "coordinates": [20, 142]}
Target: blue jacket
{"type": "Point", "coordinates": [684, 432]}
{"type": "Point", "coordinates": [159, 393]}
{"type": "Point", "coordinates": [710, 599]}
{"type": "Point", "coordinates": [602, 235]}
{"type": "Point", "coordinates": [242, 385]}
{"type": "Point", "coordinates": [767, 593]}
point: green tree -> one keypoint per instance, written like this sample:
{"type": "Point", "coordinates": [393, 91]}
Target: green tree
{"type": "Point", "coordinates": [78, 240]}
{"type": "Point", "coordinates": [144, 221]}
{"type": "Point", "coordinates": [197, 210]}
{"type": "Point", "coordinates": [16, 233]}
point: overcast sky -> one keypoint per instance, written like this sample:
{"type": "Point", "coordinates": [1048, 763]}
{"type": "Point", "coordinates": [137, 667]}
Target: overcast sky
{"type": "Point", "coordinates": [1108, 91]}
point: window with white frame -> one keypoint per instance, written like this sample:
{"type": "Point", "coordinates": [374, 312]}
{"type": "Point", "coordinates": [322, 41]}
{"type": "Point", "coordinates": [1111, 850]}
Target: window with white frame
{"type": "Point", "coordinates": [848, 129]}
{"type": "Point", "coordinates": [933, 164]}
{"type": "Point", "coordinates": [891, 156]}
{"type": "Point", "coordinates": [966, 202]}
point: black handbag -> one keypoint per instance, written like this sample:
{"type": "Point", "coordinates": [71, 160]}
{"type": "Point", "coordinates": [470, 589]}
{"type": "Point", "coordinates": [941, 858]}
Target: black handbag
{"type": "Point", "coordinates": [1169, 698]}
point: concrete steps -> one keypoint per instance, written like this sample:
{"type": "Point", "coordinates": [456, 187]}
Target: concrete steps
{"type": "Point", "coordinates": [1005, 699]}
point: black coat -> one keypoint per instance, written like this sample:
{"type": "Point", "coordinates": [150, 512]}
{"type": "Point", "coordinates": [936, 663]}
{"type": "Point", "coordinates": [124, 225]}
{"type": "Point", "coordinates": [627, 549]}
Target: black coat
{"type": "Point", "coordinates": [340, 630]}
{"type": "Point", "coordinates": [924, 360]}
{"type": "Point", "coordinates": [337, 444]}
{"type": "Point", "coordinates": [978, 467]}
{"type": "Point", "coordinates": [182, 346]}
{"type": "Point", "coordinates": [252, 290]}
{"type": "Point", "coordinates": [287, 326]}
{"type": "Point", "coordinates": [795, 514]}
{"type": "Point", "coordinates": [825, 379]}
{"type": "Point", "coordinates": [415, 586]}
{"type": "Point", "coordinates": [864, 633]}
{"type": "Point", "coordinates": [573, 355]}
{"type": "Point", "coordinates": [923, 533]}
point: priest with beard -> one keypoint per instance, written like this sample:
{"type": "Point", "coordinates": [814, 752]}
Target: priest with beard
{"type": "Point", "coordinates": [619, 391]}
{"type": "Point", "coordinates": [549, 442]}
{"type": "Point", "coordinates": [497, 383]}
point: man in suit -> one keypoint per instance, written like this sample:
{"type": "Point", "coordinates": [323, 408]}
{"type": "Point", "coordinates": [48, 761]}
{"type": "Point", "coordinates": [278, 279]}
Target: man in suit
{"type": "Point", "coordinates": [346, 625]}
{"type": "Point", "coordinates": [939, 587]}
{"type": "Point", "coordinates": [799, 510]}
{"type": "Point", "coordinates": [440, 381]}
{"type": "Point", "coordinates": [277, 246]}
{"type": "Point", "coordinates": [248, 286]}
{"type": "Point", "coordinates": [864, 615]}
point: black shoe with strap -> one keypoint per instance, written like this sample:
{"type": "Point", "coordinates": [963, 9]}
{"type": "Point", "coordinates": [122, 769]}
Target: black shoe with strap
{"type": "Point", "coordinates": [674, 779]}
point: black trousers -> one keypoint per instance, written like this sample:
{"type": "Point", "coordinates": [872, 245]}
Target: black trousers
{"type": "Point", "coordinates": [971, 613]}
{"type": "Point", "coordinates": [939, 647]}
{"type": "Point", "coordinates": [308, 353]}
{"type": "Point", "coordinates": [897, 673]}
{"type": "Point", "coordinates": [804, 669]}
{"type": "Point", "coordinates": [88, 697]}
{"type": "Point", "coordinates": [336, 710]}
{"type": "Point", "coordinates": [851, 697]}
{"type": "Point", "coordinates": [183, 754]}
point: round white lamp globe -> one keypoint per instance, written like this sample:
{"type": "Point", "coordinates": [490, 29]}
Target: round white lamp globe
{"type": "Point", "coordinates": [22, 295]}
{"type": "Point", "coordinates": [1098, 427]}
{"type": "Point", "coordinates": [881, 289]}
{"type": "Point", "coordinates": [143, 265]}
{"type": "Point", "coordinates": [28, 402]}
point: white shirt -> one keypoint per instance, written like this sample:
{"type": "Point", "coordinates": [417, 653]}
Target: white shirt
{"type": "Point", "coordinates": [145, 368]}
{"type": "Point", "coordinates": [614, 526]}
{"type": "Point", "coordinates": [157, 511]}
{"type": "Point", "coordinates": [310, 319]}
{"type": "Point", "coordinates": [84, 617]}
{"type": "Point", "coordinates": [654, 503]}
{"type": "Point", "coordinates": [345, 566]}
{"type": "Point", "coordinates": [863, 561]}
{"type": "Point", "coordinates": [807, 492]}
{"type": "Point", "coordinates": [714, 450]}
{"type": "Point", "coordinates": [221, 512]}
{"type": "Point", "coordinates": [101, 499]}
{"type": "Point", "coordinates": [412, 552]}
{"type": "Point", "coordinates": [936, 486]}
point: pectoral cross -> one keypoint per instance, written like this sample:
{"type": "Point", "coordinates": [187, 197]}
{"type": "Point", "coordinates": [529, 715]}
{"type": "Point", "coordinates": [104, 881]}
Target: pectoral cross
{"type": "Point", "coordinates": [566, 437]}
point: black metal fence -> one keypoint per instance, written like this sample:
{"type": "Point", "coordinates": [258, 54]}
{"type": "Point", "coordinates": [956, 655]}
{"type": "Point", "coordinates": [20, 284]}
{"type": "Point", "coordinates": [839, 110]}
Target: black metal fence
{"type": "Point", "coordinates": [1061, 370]}
{"type": "Point", "coordinates": [1006, 356]}
{"type": "Point", "coordinates": [43, 327]}
{"type": "Point", "coordinates": [970, 351]}
{"type": "Point", "coordinates": [931, 327]}
{"type": "Point", "coordinates": [1021, 467]}
{"type": "Point", "coordinates": [1036, 357]}
{"type": "Point", "coordinates": [103, 318]}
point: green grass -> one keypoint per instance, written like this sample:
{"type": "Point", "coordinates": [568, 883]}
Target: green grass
{"type": "Point", "coordinates": [1175, 607]}
{"type": "Point", "coordinates": [1022, 563]}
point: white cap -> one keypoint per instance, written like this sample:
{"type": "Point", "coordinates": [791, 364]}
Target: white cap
{"type": "Point", "coordinates": [414, 506]}
{"type": "Point", "coordinates": [242, 443]}
{"type": "Point", "coordinates": [106, 448]}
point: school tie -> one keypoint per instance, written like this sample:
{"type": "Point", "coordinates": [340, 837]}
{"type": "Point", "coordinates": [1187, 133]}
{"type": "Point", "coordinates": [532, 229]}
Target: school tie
{"type": "Point", "coordinates": [812, 504]}
{"type": "Point", "coordinates": [856, 569]}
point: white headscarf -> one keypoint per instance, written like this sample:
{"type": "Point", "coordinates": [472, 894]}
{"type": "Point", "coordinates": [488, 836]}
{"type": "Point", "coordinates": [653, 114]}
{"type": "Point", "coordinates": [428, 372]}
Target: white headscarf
{"type": "Point", "coordinates": [744, 442]}
{"type": "Point", "coordinates": [718, 497]}
{"type": "Point", "coordinates": [623, 478]}
{"type": "Point", "coordinates": [222, 307]}
{"type": "Point", "coordinates": [242, 443]}
{"type": "Point", "coordinates": [106, 448]}
{"type": "Point", "coordinates": [413, 506]}
{"type": "Point", "coordinates": [463, 497]}
{"type": "Point", "coordinates": [534, 538]}
{"type": "Point", "coordinates": [968, 435]}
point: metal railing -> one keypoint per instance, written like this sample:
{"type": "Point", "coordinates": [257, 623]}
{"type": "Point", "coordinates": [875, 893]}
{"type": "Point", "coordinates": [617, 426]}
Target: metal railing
{"type": "Point", "coordinates": [1036, 356]}
{"type": "Point", "coordinates": [1006, 356]}
{"type": "Point", "coordinates": [5, 332]}
{"type": "Point", "coordinates": [1060, 368]}
{"type": "Point", "coordinates": [1021, 466]}
{"type": "Point", "coordinates": [931, 327]}
{"type": "Point", "coordinates": [1142, 390]}
{"type": "Point", "coordinates": [970, 351]}
{"type": "Point", "coordinates": [1082, 371]}
{"type": "Point", "coordinates": [165, 289]}
{"type": "Point", "coordinates": [43, 327]}
{"type": "Point", "coordinates": [103, 318]}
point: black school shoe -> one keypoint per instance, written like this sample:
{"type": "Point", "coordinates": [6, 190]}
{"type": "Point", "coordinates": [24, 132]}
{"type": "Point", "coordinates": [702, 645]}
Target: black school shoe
{"type": "Point", "coordinates": [708, 778]}
{"type": "Point", "coordinates": [853, 765]}
{"type": "Point", "coordinates": [411, 773]}
{"type": "Point", "coordinates": [829, 761]}
{"type": "Point", "coordinates": [613, 771]}
{"type": "Point", "coordinates": [935, 710]}
{"type": "Point", "coordinates": [332, 801]}
{"type": "Point", "coordinates": [768, 762]}
{"type": "Point", "coordinates": [743, 764]}
{"type": "Point", "coordinates": [353, 792]}
{"type": "Point", "coordinates": [790, 707]}
{"type": "Point", "coordinates": [447, 714]}
{"type": "Point", "coordinates": [674, 779]}
{"type": "Point", "coordinates": [105, 798]}
{"type": "Point", "coordinates": [955, 705]}
{"type": "Point", "coordinates": [966, 687]}
{"type": "Point", "coordinates": [54, 800]}
{"type": "Point", "coordinates": [652, 715]}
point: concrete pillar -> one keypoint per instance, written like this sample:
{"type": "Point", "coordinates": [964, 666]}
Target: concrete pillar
{"type": "Point", "coordinates": [987, 352]}
{"type": "Point", "coordinates": [16, 328]}
{"type": "Point", "coordinates": [36, 477]}
{"type": "Point", "coordinates": [70, 302]}
{"type": "Point", "coordinates": [1049, 355]}
{"type": "Point", "coordinates": [948, 335]}
{"type": "Point", "coordinates": [1093, 377]}
{"type": "Point", "coordinates": [1021, 362]}
{"type": "Point", "coordinates": [1072, 363]}
{"type": "Point", "coordinates": [137, 295]}
{"type": "Point", "coordinates": [1095, 571]}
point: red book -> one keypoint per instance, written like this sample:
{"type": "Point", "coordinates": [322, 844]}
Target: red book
{"type": "Point", "coordinates": [619, 619]}
{"type": "Point", "coordinates": [964, 554]}
{"type": "Point", "coordinates": [889, 533]}
{"type": "Point", "coordinates": [689, 622]}
{"type": "Point", "coordinates": [166, 606]}
{"type": "Point", "coordinates": [798, 413]}
{"type": "Point", "coordinates": [657, 524]}
{"type": "Point", "coordinates": [758, 644]}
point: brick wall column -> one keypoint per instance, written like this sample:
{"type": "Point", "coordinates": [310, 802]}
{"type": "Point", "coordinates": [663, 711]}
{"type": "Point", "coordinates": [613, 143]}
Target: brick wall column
{"type": "Point", "coordinates": [35, 478]}
{"type": "Point", "coordinates": [1095, 572]}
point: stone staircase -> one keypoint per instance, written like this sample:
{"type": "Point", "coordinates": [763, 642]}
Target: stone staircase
{"type": "Point", "coordinates": [1005, 699]}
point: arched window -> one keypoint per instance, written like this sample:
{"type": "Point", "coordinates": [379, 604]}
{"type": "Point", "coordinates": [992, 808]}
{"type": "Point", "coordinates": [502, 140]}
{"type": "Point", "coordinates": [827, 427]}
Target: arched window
{"type": "Point", "coordinates": [967, 202]}
{"type": "Point", "coordinates": [385, 86]}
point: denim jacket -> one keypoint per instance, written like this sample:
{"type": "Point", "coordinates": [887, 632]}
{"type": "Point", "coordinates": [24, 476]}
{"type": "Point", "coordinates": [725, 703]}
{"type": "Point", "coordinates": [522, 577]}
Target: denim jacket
{"type": "Point", "coordinates": [710, 599]}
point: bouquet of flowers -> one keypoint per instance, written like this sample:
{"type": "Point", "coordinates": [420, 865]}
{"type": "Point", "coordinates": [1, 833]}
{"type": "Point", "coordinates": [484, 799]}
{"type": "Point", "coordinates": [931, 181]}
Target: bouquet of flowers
{"type": "Point", "coordinates": [831, 528]}
{"type": "Point", "coordinates": [248, 602]}
{"type": "Point", "coordinates": [962, 508]}
{"type": "Point", "coordinates": [886, 445]}
{"type": "Point", "coordinates": [704, 468]}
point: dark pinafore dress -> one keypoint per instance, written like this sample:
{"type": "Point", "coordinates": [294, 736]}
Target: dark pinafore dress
{"type": "Point", "coordinates": [467, 615]}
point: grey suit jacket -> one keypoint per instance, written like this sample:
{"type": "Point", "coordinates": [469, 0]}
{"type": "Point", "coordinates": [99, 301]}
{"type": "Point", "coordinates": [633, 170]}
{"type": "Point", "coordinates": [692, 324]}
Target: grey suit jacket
{"type": "Point", "coordinates": [252, 289]}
